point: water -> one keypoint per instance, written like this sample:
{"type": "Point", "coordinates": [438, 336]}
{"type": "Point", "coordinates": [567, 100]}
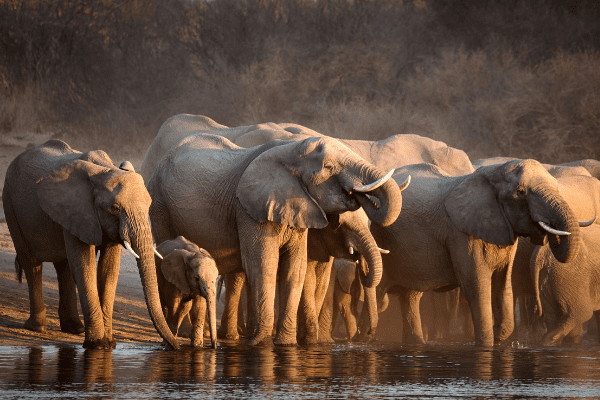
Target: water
{"type": "Point", "coordinates": [379, 371]}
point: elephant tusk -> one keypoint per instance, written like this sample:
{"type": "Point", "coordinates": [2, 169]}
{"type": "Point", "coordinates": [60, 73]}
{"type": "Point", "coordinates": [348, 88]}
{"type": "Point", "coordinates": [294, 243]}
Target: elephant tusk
{"type": "Point", "coordinates": [128, 247]}
{"type": "Point", "coordinates": [383, 251]}
{"type": "Point", "coordinates": [350, 250]}
{"type": "Point", "coordinates": [405, 184]}
{"type": "Point", "coordinates": [588, 223]}
{"type": "Point", "coordinates": [157, 254]}
{"type": "Point", "coordinates": [552, 230]}
{"type": "Point", "coordinates": [374, 185]}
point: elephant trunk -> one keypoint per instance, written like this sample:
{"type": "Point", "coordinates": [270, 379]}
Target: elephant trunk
{"type": "Point", "coordinates": [379, 195]}
{"type": "Point", "coordinates": [142, 245]}
{"type": "Point", "coordinates": [211, 307]}
{"type": "Point", "coordinates": [372, 267]}
{"type": "Point", "coordinates": [556, 213]}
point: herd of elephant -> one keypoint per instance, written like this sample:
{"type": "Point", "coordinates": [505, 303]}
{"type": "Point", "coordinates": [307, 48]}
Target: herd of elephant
{"type": "Point", "coordinates": [270, 207]}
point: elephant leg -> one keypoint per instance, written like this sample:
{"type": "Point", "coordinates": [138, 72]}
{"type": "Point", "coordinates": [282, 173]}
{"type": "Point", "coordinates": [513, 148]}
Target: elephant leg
{"type": "Point", "coordinates": [234, 285]}
{"type": "Point", "coordinates": [556, 334]}
{"type": "Point", "coordinates": [37, 309]}
{"type": "Point", "coordinates": [412, 332]}
{"type": "Point", "coordinates": [198, 316]}
{"type": "Point", "coordinates": [502, 306]}
{"type": "Point", "coordinates": [292, 274]}
{"type": "Point", "coordinates": [326, 314]}
{"type": "Point", "coordinates": [82, 260]}
{"type": "Point", "coordinates": [68, 313]}
{"type": "Point", "coordinates": [308, 324]}
{"type": "Point", "coordinates": [343, 303]}
{"type": "Point", "coordinates": [109, 265]}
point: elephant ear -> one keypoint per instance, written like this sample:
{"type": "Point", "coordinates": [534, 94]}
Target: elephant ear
{"type": "Point", "coordinates": [173, 269]}
{"type": "Point", "coordinates": [67, 196]}
{"type": "Point", "coordinates": [269, 191]}
{"type": "Point", "coordinates": [474, 209]}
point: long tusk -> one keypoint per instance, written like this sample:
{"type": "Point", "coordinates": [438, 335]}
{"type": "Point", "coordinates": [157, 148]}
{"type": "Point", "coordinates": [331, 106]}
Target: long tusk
{"type": "Point", "coordinates": [128, 247]}
{"type": "Point", "coordinates": [588, 223]}
{"type": "Point", "coordinates": [552, 230]}
{"type": "Point", "coordinates": [374, 185]}
{"type": "Point", "coordinates": [405, 184]}
{"type": "Point", "coordinates": [383, 251]}
{"type": "Point", "coordinates": [157, 253]}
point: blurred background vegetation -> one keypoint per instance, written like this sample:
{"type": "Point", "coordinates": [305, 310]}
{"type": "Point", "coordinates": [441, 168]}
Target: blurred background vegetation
{"type": "Point", "coordinates": [495, 78]}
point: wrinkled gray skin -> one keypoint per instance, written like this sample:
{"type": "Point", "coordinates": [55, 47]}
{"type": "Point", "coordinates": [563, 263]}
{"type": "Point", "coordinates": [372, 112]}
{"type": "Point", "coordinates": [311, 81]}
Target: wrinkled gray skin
{"type": "Point", "coordinates": [582, 193]}
{"type": "Point", "coordinates": [187, 277]}
{"type": "Point", "coordinates": [261, 204]}
{"type": "Point", "coordinates": [62, 206]}
{"type": "Point", "coordinates": [393, 152]}
{"type": "Point", "coordinates": [463, 232]}
{"type": "Point", "coordinates": [568, 294]}
{"type": "Point", "coordinates": [343, 296]}
{"type": "Point", "coordinates": [354, 232]}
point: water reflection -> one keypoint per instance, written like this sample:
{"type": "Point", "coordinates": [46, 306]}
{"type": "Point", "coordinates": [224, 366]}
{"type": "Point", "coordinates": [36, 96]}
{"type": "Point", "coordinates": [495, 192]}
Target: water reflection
{"type": "Point", "coordinates": [344, 371]}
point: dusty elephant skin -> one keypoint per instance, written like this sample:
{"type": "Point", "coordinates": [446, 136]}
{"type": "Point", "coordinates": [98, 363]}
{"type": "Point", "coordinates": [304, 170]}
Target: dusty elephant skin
{"type": "Point", "coordinates": [463, 232]}
{"type": "Point", "coordinates": [251, 209]}
{"type": "Point", "coordinates": [568, 294]}
{"type": "Point", "coordinates": [187, 277]}
{"type": "Point", "coordinates": [62, 206]}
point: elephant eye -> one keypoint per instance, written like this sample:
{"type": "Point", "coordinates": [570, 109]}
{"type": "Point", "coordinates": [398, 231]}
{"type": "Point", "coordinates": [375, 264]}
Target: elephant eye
{"type": "Point", "coordinates": [521, 192]}
{"type": "Point", "coordinates": [328, 165]}
{"type": "Point", "coordinates": [115, 209]}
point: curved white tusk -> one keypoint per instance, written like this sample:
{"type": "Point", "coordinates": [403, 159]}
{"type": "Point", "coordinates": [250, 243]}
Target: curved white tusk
{"type": "Point", "coordinates": [350, 250]}
{"type": "Point", "coordinates": [405, 183]}
{"type": "Point", "coordinates": [128, 247]}
{"type": "Point", "coordinates": [374, 185]}
{"type": "Point", "coordinates": [383, 251]}
{"type": "Point", "coordinates": [588, 223]}
{"type": "Point", "coordinates": [157, 253]}
{"type": "Point", "coordinates": [552, 230]}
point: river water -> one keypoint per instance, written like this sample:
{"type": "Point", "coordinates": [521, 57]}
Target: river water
{"type": "Point", "coordinates": [380, 370]}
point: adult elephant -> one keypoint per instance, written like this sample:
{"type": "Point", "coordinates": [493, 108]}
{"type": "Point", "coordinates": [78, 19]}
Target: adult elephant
{"type": "Point", "coordinates": [251, 210]}
{"type": "Point", "coordinates": [462, 232]}
{"type": "Point", "coordinates": [582, 192]}
{"type": "Point", "coordinates": [61, 206]}
{"type": "Point", "coordinates": [568, 294]}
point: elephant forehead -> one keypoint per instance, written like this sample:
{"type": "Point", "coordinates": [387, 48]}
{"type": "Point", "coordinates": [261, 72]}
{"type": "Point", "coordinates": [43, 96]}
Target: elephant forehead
{"type": "Point", "coordinates": [129, 188]}
{"type": "Point", "coordinates": [531, 173]}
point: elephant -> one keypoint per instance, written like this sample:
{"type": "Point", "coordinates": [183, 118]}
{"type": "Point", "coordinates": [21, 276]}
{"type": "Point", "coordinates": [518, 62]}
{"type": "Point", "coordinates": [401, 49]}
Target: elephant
{"type": "Point", "coordinates": [582, 192]}
{"type": "Point", "coordinates": [252, 209]}
{"type": "Point", "coordinates": [62, 206]}
{"type": "Point", "coordinates": [462, 232]}
{"type": "Point", "coordinates": [568, 294]}
{"type": "Point", "coordinates": [393, 152]}
{"type": "Point", "coordinates": [187, 277]}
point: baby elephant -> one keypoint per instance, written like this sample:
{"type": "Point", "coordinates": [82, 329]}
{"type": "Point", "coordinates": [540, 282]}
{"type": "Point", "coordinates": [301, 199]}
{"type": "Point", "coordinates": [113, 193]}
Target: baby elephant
{"type": "Point", "coordinates": [186, 278]}
{"type": "Point", "coordinates": [568, 294]}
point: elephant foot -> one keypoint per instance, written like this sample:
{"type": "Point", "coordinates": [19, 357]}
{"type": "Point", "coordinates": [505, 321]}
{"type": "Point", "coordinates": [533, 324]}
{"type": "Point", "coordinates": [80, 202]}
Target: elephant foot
{"type": "Point", "coordinates": [308, 339]}
{"type": "Point", "coordinates": [256, 340]}
{"type": "Point", "coordinates": [281, 340]}
{"type": "Point", "coordinates": [36, 324]}
{"type": "Point", "coordinates": [224, 334]}
{"type": "Point", "coordinates": [72, 325]}
{"type": "Point", "coordinates": [104, 343]}
{"type": "Point", "coordinates": [326, 338]}
{"type": "Point", "coordinates": [364, 338]}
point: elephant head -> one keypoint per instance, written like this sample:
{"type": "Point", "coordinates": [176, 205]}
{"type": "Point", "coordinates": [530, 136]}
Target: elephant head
{"type": "Point", "coordinates": [300, 184]}
{"type": "Point", "coordinates": [192, 270]}
{"type": "Point", "coordinates": [498, 203]}
{"type": "Point", "coordinates": [100, 204]}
